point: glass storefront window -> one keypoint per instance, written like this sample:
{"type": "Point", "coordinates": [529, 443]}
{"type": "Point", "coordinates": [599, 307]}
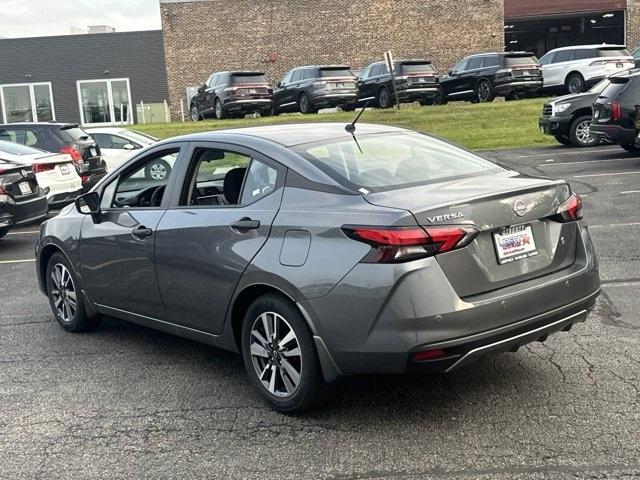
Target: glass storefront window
{"type": "Point", "coordinates": [28, 102]}
{"type": "Point", "coordinates": [105, 102]}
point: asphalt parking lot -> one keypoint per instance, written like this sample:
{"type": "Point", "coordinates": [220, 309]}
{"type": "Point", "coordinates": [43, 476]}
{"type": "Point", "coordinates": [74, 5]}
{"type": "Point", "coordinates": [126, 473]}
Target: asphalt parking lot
{"type": "Point", "coordinates": [129, 402]}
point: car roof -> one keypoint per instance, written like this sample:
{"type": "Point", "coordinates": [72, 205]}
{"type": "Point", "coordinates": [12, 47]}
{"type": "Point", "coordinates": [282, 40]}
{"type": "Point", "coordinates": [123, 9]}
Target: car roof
{"type": "Point", "coordinates": [502, 54]}
{"type": "Point", "coordinates": [289, 135]}
{"type": "Point", "coordinates": [581, 47]}
{"type": "Point", "coordinates": [39, 124]}
{"type": "Point", "coordinates": [321, 66]}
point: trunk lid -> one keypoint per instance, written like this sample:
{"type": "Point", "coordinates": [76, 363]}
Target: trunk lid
{"type": "Point", "coordinates": [18, 181]}
{"type": "Point", "coordinates": [493, 204]}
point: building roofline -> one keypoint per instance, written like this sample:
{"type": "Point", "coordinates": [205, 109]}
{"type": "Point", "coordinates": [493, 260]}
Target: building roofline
{"type": "Point", "coordinates": [81, 35]}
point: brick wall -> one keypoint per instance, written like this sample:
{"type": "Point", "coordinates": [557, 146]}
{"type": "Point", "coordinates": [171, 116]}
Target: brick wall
{"type": "Point", "coordinates": [204, 36]}
{"type": "Point", "coordinates": [633, 23]}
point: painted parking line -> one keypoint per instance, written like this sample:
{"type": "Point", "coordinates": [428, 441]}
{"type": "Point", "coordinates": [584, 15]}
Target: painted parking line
{"type": "Point", "coordinates": [28, 232]}
{"type": "Point", "coordinates": [582, 151]}
{"type": "Point", "coordinates": [552, 163]}
{"type": "Point", "coordinates": [605, 174]}
{"type": "Point", "coordinates": [630, 191]}
{"type": "Point", "coordinates": [614, 225]}
{"type": "Point", "coordinates": [6, 262]}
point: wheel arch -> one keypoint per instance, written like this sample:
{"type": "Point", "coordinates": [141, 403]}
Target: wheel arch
{"type": "Point", "coordinates": [580, 113]}
{"type": "Point", "coordinates": [43, 261]}
{"type": "Point", "coordinates": [573, 72]}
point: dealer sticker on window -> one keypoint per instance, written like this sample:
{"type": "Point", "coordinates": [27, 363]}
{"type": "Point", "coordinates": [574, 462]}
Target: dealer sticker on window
{"type": "Point", "coordinates": [515, 243]}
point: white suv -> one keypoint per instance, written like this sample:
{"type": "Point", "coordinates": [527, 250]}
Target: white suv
{"type": "Point", "coordinates": [578, 68]}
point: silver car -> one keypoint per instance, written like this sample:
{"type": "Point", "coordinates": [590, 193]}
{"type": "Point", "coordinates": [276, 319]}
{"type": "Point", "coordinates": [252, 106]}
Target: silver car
{"type": "Point", "coordinates": [317, 252]}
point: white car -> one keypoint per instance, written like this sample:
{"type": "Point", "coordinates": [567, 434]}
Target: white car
{"type": "Point", "coordinates": [55, 172]}
{"type": "Point", "coordinates": [576, 69]}
{"type": "Point", "coordinates": [119, 144]}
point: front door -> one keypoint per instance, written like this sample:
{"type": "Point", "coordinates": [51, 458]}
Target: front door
{"type": "Point", "coordinates": [117, 248]}
{"type": "Point", "coordinates": [220, 218]}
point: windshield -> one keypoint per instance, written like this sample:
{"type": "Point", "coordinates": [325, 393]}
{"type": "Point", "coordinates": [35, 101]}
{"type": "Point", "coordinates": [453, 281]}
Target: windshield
{"type": "Point", "coordinates": [416, 68]}
{"type": "Point", "coordinates": [524, 60]}
{"type": "Point", "coordinates": [17, 149]}
{"type": "Point", "coordinates": [393, 160]}
{"type": "Point", "coordinates": [245, 79]}
{"type": "Point", "coordinates": [335, 72]}
{"type": "Point", "coordinates": [613, 52]}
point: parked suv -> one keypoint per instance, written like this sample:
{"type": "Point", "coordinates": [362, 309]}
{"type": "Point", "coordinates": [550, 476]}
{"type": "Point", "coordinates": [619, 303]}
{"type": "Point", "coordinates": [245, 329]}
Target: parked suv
{"type": "Point", "coordinates": [307, 89]}
{"type": "Point", "coordinates": [615, 111]}
{"type": "Point", "coordinates": [66, 138]}
{"type": "Point", "coordinates": [232, 94]}
{"type": "Point", "coordinates": [568, 118]}
{"type": "Point", "coordinates": [416, 81]}
{"type": "Point", "coordinates": [480, 78]}
{"type": "Point", "coordinates": [575, 69]}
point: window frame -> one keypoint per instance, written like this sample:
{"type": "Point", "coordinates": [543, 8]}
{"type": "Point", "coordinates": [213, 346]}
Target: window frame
{"type": "Point", "coordinates": [464, 62]}
{"type": "Point", "coordinates": [135, 163]}
{"type": "Point", "coordinates": [112, 113]}
{"type": "Point", "coordinates": [185, 171]}
{"type": "Point", "coordinates": [32, 98]}
{"type": "Point", "coordinates": [478, 58]}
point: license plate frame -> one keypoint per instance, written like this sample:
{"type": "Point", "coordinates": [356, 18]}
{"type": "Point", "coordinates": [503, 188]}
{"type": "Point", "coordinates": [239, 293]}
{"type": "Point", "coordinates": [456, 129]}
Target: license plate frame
{"type": "Point", "coordinates": [65, 170]}
{"type": "Point", "coordinates": [514, 243]}
{"type": "Point", "coordinates": [25, 188]}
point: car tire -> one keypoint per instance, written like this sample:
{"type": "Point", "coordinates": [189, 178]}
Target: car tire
{"type": "Point", "coordinates": [631, 149]}
{"type": "Point", "coordinates": [3, 232]}
{"type": "Point", "coordinates": [579, 132]}
{"type": "Point", "coordinates": [384, 98]}
{"type": "Point", "coordinates": [158, 170]}
{"type": "Point", "coordinates": [349, 107]}
{"type": "Point", "coordinates": [65, 297]}
{"type": "Point", "coordinates": [484, 92]}
{"type": "Point", "coordinates": [195, 114]}
{"type": "Point", "coordinates": [287, 375]}
{"type": "Point", "coordinates": [218, 110]}
{"type": "Point", "coordinates": [563, 139]}
{"type": "Point", "coordinates": [304, 104]}
{"type": "Point", "coordinates": [575, 83]}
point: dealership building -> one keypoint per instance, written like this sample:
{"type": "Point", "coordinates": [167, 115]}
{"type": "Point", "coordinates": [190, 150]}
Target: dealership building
{"type": "Point", "coordinates": [113, 78]}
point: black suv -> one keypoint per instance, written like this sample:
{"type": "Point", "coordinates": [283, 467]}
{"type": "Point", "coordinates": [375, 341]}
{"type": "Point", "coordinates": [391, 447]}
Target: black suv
{"type": "Point", "coordinates": [615, 112]}
{"type": "Point", "coordinates": [416, 81]}
{"type": "Point", "coordinates": [480, 78]}
{"type": "Point", "coordinates": [21, 199]}
{"type": "Point", "coordinates": [307, 89]}
{"type": "Point", "coordinates": [66, 138]}
{"type": "Point", "coordinates": [232, 94]}
{"type": "Point", "coordinates": [568, 118]}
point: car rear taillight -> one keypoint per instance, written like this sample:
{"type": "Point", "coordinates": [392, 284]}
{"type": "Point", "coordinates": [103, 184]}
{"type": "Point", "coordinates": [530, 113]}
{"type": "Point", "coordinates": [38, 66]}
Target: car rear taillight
{"type": "Point", "coordinates": [401, 244]}
{"type": "Point", "coordinates": [616, 111]}
{"type": "Point", "coordinates": [429, 355]}
{"type": "Point", "coordinates": [75, 154]}
{"type": "Point", "coordinates": [570, 210]}
{"type": "Point", "coordinates": [43, 167]}
{"type": "Point", "coordinates": [2, 190]}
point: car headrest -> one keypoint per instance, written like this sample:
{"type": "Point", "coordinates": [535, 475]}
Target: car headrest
{"type": "Point", "coordinates": [232, 184]}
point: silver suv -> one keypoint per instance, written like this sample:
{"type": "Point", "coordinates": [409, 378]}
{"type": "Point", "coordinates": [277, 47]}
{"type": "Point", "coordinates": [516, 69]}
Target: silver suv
{"type": "Point", "coordinates": [576, 69]}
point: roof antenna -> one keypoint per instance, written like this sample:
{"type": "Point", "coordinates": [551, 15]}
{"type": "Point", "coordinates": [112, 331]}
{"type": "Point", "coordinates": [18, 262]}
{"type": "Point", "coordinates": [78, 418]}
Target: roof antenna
{"type": "Point", "coordinates": [351, 127]}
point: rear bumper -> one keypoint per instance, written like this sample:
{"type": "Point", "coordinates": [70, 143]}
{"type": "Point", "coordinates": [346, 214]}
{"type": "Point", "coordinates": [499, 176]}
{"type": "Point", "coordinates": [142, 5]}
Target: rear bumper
{"type": "Point", "coordinates": [554, 125]}
{"type": "Point", "coordinates": [526, 86]}
{"type": "Point", "coordinates": [417, 93]}
{"type": "Point", "coordinates": [412, 307]}
{"type": "Point", "coordinates": [248, 105]}
{"type": "Point", "coordinates": [328, 100]}
{"type": "Point", "coordinates": [14, 214]}
{"type": "Point", "coordinates": [614, 133]}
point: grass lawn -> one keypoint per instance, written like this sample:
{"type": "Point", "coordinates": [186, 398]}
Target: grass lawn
{"type": "Point", "coordinates": [476, 126]}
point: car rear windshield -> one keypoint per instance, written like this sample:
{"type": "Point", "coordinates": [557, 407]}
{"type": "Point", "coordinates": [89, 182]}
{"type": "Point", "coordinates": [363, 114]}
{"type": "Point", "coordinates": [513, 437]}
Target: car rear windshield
{"type": "Point", "coordinates": [615, 88]}
{"type": "Point", "coordinates": [72, 134]}
{"type": "Point", "coordinates": [17, 149]}
{"type": "Point", "coordinates": [388, 161]}
{"type": "Point", "coordinates": [416, 67]}
{"type": "Point", "coordinates": [513, 60]}
{"type": "Point", "coordinates": [244, 78]}
{"type": "Point", "coordinates": [613, 52]}
{"type": "Point", "coordinates": [335, 72]}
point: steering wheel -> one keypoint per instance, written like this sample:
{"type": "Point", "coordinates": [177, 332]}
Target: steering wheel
{"type": "Point", "coordinates": [156, 198]}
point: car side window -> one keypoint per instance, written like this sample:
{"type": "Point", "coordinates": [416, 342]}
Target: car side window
{"type": "Point", "coordinates": [260, 181]}
{"type": "Point", "coordinates": [474, 63]}
{"type": "Point", "coordinates": [563, 56]}
{"type": "Point", "coordinates": [365, 73]}
{"type": "Point", "coordinates": [547, 59]}
{"type": "Point", "coordinates": [143, 185]}
{"type": "Point", "coordinates": [287, 78]}
{"type": "Point", "coordinates": [461, 66]}
{"type": "Point", "coordinates": [8, 135]}
{"type": "Point", "coordinates": [491, 61]}
{"type": "Point", "coordinates": [309, 73]}
{"type": "Point", "coordinates": [584, 54]}
{"type": "Point", "coordinates": [211, 82]}
{"type": "Point", "coordinates": [115, 142]}
{"type": "Point", "coordinates": [297, 76]}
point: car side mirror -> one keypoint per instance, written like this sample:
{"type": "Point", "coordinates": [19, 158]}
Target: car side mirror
{"type": "Point", "coordinates": [451, 73]}
{"type": "Point", "coordinates": [202, 89]}
{"type": "Point", "coordinates": [88, 204]}
{"type": "Point", "coordinates": [129, 146]}
{"type": "Point", "coordinates": [279, 85]}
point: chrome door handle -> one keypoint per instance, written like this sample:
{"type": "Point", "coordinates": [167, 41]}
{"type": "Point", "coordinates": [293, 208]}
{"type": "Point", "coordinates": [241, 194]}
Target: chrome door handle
{"type": "Point", "coordinates": [245, 224]}
{"type": "Point", "coordinates": [141, 232]}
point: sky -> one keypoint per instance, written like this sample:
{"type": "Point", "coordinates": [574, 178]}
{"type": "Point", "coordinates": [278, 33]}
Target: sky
{"type": "Point", "coordinates": [37, 18]}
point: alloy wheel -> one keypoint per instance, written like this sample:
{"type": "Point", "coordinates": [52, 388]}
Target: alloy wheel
{"type": "Point", "coordinates": [575, 84]}
{"type": "Point", "coordinates": [583, 132]}
{"type": "Point", "coordinates": [195, 116]}
{"type": "Point", "coordinates": [63, 293]}
{"type": "Point", "coordinates": [484, 91]}
{"type": "Point", "coordinates": [218, 110]}
{"type": "Point", "coordinates": [275, 354]}
{"type": "Point", "coordinates": [304, 104]}
{"type": "Point", "coordinates": [157, 171]}
{"type": "Point", "coordinates": [384, 98]}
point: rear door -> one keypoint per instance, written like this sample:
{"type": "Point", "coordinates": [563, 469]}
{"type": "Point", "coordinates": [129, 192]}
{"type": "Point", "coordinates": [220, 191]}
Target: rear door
{"type": "Point", "coordinates": [117, 248]}
{"type": "Point", "coordinates": [219, 219]}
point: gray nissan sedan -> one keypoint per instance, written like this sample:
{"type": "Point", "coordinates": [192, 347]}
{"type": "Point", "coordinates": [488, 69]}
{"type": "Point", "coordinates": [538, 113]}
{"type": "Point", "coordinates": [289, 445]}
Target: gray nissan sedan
{"type": "Point", "coordinates": [317, 251]}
